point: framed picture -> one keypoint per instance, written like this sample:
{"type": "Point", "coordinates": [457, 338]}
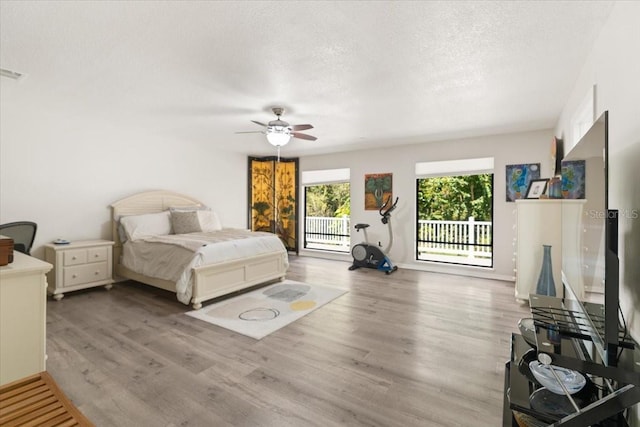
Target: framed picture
{"type": "Point", "coordinates": [518, 178]}
{"type": "Point", "coordinates": [537, 187]}
{"type": "Point", "coordinates": [377, 188]}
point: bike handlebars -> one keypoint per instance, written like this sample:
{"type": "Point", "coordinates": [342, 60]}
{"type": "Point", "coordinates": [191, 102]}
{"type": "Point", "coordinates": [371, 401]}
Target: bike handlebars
{"type": "Point", "coordinates": [385, 214]}
{"type": "Point", "coordinates": [390, 209]}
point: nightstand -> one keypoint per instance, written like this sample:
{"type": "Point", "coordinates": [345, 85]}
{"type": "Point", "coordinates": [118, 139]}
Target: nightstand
{"type": "Point", "coordinates": [79, 265]}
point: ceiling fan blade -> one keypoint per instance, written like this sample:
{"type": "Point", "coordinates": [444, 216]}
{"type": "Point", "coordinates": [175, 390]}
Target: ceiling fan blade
{"type": "Point", "coordinates": [251, 131]}
{"type": "Point", "coordinates": [301, 127]}
{"type": "Point", "coordinates": [258, 123]}
{"type": "Point", "coordinates": [303, 136]}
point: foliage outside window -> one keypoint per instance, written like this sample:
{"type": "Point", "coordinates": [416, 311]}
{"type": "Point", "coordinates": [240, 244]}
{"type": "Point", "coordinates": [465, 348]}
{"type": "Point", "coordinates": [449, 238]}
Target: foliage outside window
{"type": "Point", "coordinates": [327, 217]}
{"type": "Point", "coordinates": [456, 198]}
{"type": "Point", "coordinates": [455, 219]}
{"type": "Point", "coordinates": [329, 200]}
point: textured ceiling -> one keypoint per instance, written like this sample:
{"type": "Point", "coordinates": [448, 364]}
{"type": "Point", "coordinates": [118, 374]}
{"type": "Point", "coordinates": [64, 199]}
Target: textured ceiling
{"type": "Point", "coordinates": [363, 73]}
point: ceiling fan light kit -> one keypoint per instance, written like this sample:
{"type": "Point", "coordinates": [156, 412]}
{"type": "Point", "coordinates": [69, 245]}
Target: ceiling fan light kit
{"type": "Point", "coordinates": [278, 135]}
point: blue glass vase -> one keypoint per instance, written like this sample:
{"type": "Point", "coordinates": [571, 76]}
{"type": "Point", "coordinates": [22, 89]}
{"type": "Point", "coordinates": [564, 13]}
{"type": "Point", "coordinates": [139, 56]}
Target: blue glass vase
{"type": "Point", "coordinates": [546, 285]}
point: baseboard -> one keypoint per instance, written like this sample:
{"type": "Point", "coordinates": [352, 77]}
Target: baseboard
{"type": "Point", "coordinates": [458, 270]}
{"type": "Point", "coordinates": [336, 256]}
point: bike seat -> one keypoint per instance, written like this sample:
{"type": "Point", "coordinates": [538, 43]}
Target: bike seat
{"type": "Point", "coordinates": [359, 226]}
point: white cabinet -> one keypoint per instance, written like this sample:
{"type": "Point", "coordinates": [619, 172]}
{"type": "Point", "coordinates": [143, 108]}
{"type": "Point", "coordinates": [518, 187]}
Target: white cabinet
{"type": "Point", "coordinates": [538, 223]}
{"type": "Point", "coordinates": [79, 265]}
{"type": "Point", "coordinates": [23, 308]}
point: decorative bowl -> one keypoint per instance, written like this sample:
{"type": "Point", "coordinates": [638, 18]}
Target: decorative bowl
{"type": "Point", "coordinates": [545, 401]}
{"type": "Point", "coordinates": [523, 364]}
{"type": "Point", "coordinates": [572, 380]}
{"type": "Point", "coordinates": [528, 331]}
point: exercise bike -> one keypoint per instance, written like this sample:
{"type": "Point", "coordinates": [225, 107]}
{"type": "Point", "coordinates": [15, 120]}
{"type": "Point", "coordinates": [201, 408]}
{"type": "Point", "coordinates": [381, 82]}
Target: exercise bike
{"type": "Point", "coordinates": [371, 256]}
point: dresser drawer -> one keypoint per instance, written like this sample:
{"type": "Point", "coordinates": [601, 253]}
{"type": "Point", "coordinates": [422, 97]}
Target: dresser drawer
{"type": "Point", "coordinates": [75, 257]}
{"type": "Point", "coordinates": [87, 273]}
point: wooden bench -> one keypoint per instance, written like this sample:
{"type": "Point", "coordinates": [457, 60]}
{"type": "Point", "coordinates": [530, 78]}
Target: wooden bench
{"type": "Point", "coordinates": [37, 401]}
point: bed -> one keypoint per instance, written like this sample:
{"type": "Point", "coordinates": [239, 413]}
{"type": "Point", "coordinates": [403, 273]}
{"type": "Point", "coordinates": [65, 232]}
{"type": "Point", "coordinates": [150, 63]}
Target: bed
{"type": "Point", "coordinates": [199, 271]}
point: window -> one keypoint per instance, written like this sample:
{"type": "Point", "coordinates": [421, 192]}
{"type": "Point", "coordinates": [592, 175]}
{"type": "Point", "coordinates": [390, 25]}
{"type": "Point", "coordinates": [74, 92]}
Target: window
{"type": "Point", "coordinates": [454, 202]}
{"type": "Point", "coordinates": [327, 210]}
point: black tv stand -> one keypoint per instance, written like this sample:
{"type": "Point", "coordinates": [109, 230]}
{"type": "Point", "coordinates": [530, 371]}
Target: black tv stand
{"type": "Point", "coordinates": [610, 389]}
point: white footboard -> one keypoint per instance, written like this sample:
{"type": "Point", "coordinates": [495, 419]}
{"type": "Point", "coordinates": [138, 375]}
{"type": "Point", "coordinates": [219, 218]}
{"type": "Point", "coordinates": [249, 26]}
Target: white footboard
{"type": "Point", "coordinates": [215, 280]}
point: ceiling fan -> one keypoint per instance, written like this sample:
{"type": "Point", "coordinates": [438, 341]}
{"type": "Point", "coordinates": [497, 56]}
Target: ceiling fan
{"type": "Point", "coordinates": [280, 132]}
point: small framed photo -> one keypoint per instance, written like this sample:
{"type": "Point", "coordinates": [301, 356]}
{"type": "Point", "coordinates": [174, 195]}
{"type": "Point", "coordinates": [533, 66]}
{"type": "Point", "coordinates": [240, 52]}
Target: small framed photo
{"type": "Point", "coordinates": [536, 188]}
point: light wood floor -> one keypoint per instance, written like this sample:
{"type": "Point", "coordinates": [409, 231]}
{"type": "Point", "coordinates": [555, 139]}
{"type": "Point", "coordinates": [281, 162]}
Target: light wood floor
{"type": "Point", "coordinates": [407, 349]}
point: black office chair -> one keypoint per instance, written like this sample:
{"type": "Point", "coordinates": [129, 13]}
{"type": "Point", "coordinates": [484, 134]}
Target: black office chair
{"type": "Point", "coordinates": [23, 234]}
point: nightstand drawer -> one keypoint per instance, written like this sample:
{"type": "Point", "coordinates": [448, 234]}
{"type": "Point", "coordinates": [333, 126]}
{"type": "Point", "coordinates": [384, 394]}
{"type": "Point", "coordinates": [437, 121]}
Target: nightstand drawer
{"type": "Point", "coordinates": [75, 257]}
{"type": "Point", "coordinates": [85, 273]}
{"type": "Point", "coordinates": [97, 254]}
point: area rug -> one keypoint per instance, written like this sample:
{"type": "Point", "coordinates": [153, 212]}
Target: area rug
{"type": "Point", "coordinates": [258, 313]}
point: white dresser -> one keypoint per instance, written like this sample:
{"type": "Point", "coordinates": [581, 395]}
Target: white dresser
{"type": "Point", "coordinates": [79, 265]}
{"type": "Point", "coordinates": [23, 317]}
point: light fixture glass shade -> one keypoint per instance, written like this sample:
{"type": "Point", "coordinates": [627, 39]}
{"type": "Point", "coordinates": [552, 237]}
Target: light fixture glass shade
{"type": "Point", "coordinates": [278, 136]}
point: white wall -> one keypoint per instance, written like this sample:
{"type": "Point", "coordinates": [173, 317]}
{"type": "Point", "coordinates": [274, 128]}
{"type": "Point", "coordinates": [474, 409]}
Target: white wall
{"type": "Point", "coordinates": [614, 67]}
{"type": "Point", "coordinates": [530, 147]}
{"type": "Point", "coordinates": [63, 172]}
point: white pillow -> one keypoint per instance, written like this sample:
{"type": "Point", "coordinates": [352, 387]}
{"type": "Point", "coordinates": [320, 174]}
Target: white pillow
{"type": "Point", "coordinates": [209, 220]}
{"type": "Point", "coordinates": [140, 226]}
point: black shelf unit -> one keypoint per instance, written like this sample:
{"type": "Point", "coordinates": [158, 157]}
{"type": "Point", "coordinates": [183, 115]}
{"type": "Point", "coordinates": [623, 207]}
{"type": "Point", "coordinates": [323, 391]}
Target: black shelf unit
{"type": "Point", "coordinates": [561, 334]}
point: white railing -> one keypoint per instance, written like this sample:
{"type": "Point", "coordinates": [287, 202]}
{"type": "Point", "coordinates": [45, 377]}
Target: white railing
{"type": "Point", "coordinates": [328, 233]}
{"type": "Point", "coordinates": [438, 240]}
{"type": "Point", "coordinates": [452, 239]}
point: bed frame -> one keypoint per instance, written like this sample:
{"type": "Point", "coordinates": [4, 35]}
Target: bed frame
{"type": "Point", "coordinates": [209, 281]}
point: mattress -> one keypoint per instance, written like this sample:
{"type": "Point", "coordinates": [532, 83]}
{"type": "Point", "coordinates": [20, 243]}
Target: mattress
{"type": "Point", "coordinates": [173, 257]}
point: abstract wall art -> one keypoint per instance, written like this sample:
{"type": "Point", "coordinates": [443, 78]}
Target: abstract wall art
{"type": "Point", "coordinates": [518, 179]}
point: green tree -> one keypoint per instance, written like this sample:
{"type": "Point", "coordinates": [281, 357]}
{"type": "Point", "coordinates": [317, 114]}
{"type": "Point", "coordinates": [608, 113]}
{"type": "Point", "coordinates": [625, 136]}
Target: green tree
{"type": "Point", "coordinates": [455, 198]}
{"type": "Point", "coordinates": [328, 200]}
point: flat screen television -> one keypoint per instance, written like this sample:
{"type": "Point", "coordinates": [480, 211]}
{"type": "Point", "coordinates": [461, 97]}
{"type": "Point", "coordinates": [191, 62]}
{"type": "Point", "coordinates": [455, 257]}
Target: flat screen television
{"type": "Point", "coordinates": [590, 265]}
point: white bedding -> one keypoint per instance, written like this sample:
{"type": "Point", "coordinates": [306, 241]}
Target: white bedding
{"type": "Point", "coordinates": [172, 257]}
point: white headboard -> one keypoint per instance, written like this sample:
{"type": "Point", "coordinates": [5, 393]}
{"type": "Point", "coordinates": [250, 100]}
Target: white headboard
{"type": "Point", "coordinates": [142, 203]}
